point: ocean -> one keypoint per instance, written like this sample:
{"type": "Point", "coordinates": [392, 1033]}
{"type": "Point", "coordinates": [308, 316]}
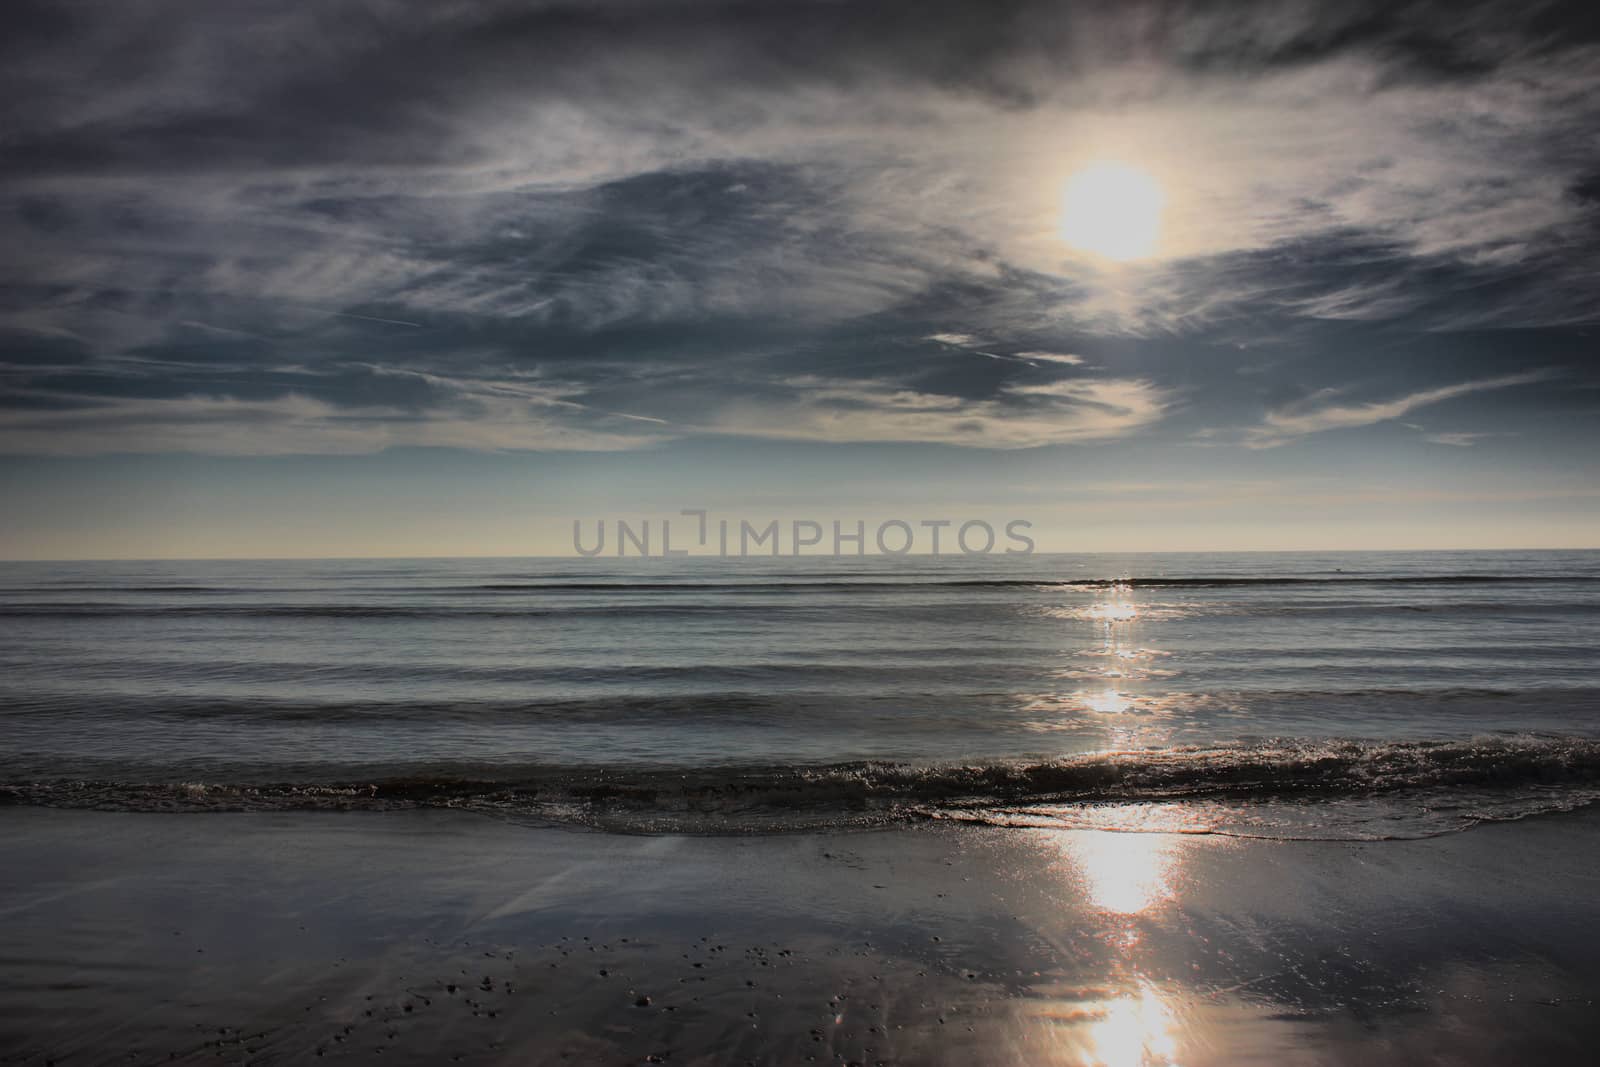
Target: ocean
{"type": "Point", "coordinates": [1294, 695]}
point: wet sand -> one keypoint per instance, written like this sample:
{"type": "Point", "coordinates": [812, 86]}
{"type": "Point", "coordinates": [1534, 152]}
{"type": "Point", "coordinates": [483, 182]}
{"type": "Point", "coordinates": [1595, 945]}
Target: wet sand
{"type": "Point", "coordinates": [442, 937]}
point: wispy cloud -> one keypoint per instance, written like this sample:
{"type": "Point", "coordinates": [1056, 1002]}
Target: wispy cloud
{"type": "Point", "coordinates": [1053, 357]}
{"type": "Point", "coordinates": [1317, 415]}
{"type": "Point", "coordinates": [1458, 440]}
{"type": "Point", "coordinates": [1021, 416]}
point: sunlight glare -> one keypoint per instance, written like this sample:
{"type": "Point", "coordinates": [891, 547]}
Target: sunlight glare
{"type": "Point", "coordinates": [1113, 611]}
{"type": "Point", "coordinates": [1135, 1032]}
{"type": "Point", "coordinates": [1126, 872]}
{"type": "Point", "coordinates": [1107, 702]}
{"type": "Point", "coordinates": [1112, 210]}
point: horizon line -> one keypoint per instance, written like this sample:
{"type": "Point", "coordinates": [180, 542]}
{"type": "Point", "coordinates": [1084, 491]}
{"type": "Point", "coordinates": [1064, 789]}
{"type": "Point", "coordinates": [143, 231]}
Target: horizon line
{"type": "Point", "coordinates": [787, 556]}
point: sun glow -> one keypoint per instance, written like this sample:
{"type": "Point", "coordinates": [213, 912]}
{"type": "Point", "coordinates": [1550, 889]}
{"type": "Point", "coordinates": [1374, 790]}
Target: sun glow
{"type": "Point", "coordinates": [1112, 210]}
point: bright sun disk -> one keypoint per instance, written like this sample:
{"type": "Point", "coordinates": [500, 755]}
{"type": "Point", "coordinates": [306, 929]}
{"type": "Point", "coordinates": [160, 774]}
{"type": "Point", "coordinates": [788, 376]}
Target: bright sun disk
{"type": "Point", "coordinates": [1112, 210]}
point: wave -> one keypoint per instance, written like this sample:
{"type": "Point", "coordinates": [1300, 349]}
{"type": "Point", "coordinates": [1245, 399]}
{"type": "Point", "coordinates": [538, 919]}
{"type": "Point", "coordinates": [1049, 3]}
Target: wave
{"type": "Point", "coordinates": [1442, 785]}
{"type": "Point", "coordinates": [110, 609]}
{"type": "Point", "coordinates": [780, 583]}
{"type": "Point", "coordinates": [757, 703]}
{"type": "Point", "coordinates": [79, 587]}
{"type": "Point", "coordinates": [1007, 583]}
{"type": "Point", "coordinates": [760, 612]}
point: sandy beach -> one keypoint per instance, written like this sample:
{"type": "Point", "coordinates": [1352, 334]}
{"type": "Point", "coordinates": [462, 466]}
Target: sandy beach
{"type": "Point", "coordinates": [443, 937]}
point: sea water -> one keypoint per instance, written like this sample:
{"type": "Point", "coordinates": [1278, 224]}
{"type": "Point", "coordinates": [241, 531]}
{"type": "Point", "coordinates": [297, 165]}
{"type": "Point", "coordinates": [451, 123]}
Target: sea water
{"type": "Point", "coordinates": [1289, 694]}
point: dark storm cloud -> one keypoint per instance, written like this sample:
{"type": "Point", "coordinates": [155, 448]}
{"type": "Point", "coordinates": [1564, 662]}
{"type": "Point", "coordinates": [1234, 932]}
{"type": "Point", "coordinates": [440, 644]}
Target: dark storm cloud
{"type": "Point", "coordinates": [348, 226]}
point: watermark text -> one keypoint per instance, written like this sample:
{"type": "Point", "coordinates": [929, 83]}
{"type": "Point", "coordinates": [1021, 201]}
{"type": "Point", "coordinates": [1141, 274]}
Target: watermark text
{"type": "Point", "coordinates": [698, 533]}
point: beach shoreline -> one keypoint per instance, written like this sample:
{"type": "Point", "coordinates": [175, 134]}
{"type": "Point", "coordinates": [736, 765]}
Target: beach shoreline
{"type": "Point", "coordinates": [433, 936]}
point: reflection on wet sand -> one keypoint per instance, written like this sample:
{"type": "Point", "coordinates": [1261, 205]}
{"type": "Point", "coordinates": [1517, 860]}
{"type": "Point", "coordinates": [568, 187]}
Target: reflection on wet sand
{"type": "Point", "coordinates": [1099, 1028]}
{"type": "Point", "coordinates": [1135, 1031]}
{"type": "Point", "coordinates": [410, 938]}
{"type": "Point", "coordinates": [1125, 873]}
{"type": "Point", "coordinates": [1116, 1007]}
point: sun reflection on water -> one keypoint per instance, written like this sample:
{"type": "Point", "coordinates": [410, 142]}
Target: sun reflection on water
{"type": "Point", "coordinates": [1107, 702]}
{"type": "Point", "coordinates": [1113, 674]}
{"type": "Point", "coordinates": [1119, 610]}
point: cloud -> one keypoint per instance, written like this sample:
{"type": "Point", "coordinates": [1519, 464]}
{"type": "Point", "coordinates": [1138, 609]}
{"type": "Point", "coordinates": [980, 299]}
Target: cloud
{"type": "Point", "coordinates": [234, 409]}
{"type": "Point", "coordinates": [508, 147]}
{"type": "Point", "coordinates": [1316, 415]}
{"type": "Point", "coordinates": [1021, 416]}
{"type": "Point", "coordinates": [968, 343]}
{"type": "Point", "coordinates": [1458, 440]}
{"type": "Point", "coordinates": [297, 425]}
{"type": "Point", "coordinates": [677, 211]}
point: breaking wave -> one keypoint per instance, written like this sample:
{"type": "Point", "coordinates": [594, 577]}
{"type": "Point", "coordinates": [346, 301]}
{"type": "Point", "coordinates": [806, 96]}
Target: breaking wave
{"type": "Point", "coordinates": [1327, 789]}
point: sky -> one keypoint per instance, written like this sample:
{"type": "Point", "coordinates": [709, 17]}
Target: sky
{"type": "Point", "coordinates": [368, 278]}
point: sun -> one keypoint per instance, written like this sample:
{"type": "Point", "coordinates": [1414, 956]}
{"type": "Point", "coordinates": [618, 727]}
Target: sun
{"type": "Point", "coordinates": [1112, 210]}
